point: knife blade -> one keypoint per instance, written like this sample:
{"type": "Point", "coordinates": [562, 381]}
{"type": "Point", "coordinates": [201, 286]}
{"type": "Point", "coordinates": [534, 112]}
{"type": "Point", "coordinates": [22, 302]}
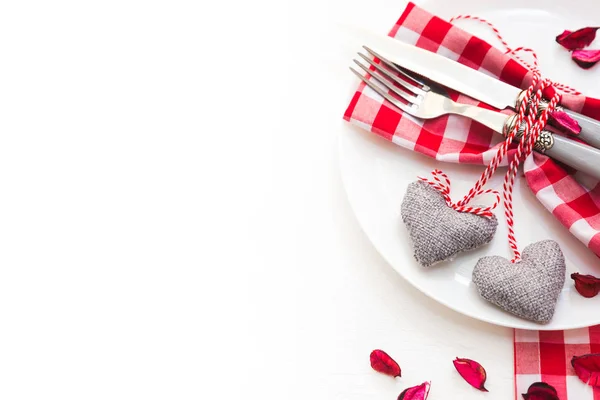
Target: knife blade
{"type": "Point", "coordinates": [444, 71]}
{"type": "Point", "coordinates": [463, 79]}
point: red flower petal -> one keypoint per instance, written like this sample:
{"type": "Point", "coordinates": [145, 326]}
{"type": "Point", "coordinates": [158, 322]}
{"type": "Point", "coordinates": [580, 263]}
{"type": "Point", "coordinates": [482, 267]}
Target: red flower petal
{"type": "Point", "coordinates": [416, 392]}
{"type": "Point", "coordinates": [541, 391]}
{"type": "Point", "coordinates": [472, 372]}
{"type": "Point", "coordinates": [578, 39]}
{"type": "Point", "coordinates": [587, 285]}
{"type": "Point", "coordinates": [564, 121]}
{"type": "Point", "coordinates": [381, 362]}
{"type": "Point", "coordinates": [587, 368]}
{"type": "Point", "coordinates": [586, 58]}
{"type": "Point", "coordinates": [560, 38]}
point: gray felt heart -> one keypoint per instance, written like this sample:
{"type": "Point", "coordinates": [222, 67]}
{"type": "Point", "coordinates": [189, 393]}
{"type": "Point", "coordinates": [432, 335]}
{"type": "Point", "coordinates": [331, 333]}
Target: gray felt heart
{"type": "Point", "coordinates": [437, 231]}
{"type": "Point", "coordinates": [528, 288]}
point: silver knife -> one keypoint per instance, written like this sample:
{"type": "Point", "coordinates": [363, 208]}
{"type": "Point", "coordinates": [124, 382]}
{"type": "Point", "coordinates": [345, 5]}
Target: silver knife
{"type": "Point", "coordinates": [464, 79]}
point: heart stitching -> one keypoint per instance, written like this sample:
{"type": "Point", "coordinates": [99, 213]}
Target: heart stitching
{"type": "Point", "coordinates": [437, 231]}
{"type": "Point", "coordinates": [528, 288]}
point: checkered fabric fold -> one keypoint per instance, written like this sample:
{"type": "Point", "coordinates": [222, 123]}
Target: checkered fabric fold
{"type": "Point", "coordinates": [574, 199]}
{"type": "Point", "coordinates": [545, 356]}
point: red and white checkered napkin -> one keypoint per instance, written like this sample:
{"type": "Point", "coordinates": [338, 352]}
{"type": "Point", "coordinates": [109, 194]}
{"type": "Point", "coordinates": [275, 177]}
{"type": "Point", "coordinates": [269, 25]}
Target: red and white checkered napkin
{"type": "Point", "coordinates": [539, 356]}
{"type": "Point", "coordinates": [545, 356]}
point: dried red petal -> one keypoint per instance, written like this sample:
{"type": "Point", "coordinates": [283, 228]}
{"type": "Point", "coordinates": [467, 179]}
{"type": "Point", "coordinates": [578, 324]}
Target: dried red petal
{"type": "Point", "coordinates": [472, 372]}
{"type": "Point", "coordinates": [416, 392]}
{"type": "Point", "coordinates": [563, 36]}
{"type": "Point", "coordinates": [587, 285]}
{"type": "Point", "coordinates": [564, 121]}
{"type": "Point", "coordinates": [382, 362]}
{"type": "Point", "coordinates": [541, 391]}
{"type": "Point", "coordinates": [586, 58]}
{"type": "Point", "coordinates": [587, 368]}
{"type": "Point", "coordinates": [578, 39]}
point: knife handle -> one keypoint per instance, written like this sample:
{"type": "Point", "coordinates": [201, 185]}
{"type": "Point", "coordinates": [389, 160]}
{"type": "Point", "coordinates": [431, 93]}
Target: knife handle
{"type": "Point", "coordinates": [590, 128]}
{"type": "Point", "coordinates": [577, 155]}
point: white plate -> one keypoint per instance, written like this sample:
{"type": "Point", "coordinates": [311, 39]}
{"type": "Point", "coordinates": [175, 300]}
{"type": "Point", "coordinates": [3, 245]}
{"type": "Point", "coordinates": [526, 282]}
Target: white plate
{"type": "Point", "coordinates": [376, 173]}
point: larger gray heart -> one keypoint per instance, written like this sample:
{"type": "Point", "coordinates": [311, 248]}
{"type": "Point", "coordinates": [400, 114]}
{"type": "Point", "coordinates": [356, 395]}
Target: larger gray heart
{"type": "Point", "coordinates": [437, 231]}
{"type": "Point", "coordinates": [528, 288]}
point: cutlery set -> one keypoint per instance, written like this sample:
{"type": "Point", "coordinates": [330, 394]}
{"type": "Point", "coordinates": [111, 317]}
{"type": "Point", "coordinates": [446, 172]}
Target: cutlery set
{"type": "Point", "coordinates": [413, 80]}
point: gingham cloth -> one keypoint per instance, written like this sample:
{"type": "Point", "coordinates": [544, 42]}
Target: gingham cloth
{"type": "Point", "coordinates": [572, 198]}
{"type": "Point", "coordinates": [545, 356]}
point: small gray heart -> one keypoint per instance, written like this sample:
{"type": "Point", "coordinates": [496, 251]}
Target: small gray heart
{"type": "Point", "coordinates": [528, 288]}
{"type": "Point", "coordinates": [437, 231]}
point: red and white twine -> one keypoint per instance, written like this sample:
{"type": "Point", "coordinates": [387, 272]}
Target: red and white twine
{"type": "Point", "coordinates": [532, 125]}
{"type": "Point", "coordinates": [444, 189]}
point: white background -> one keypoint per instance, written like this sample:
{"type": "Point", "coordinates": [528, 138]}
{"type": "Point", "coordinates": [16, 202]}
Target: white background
{"type": "Point", "coordinates": [172, 219]}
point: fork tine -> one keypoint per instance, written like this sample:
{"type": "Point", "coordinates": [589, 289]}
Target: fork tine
{"type": "Point", "coordinates": [387, 83]}
{"type": "Point", "coordinates": [412, 88]}
{"type": "Point", "coordinates": [402, 71]}
{"type": "Point", "coordinates": [383, 93]}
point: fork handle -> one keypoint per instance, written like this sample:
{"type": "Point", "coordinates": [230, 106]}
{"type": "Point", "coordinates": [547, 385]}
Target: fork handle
{"type": "Point", "coordinates": [577, 155]}
{"type": "Point", "coordinates": [590, 128]}
{"type": "Point", "coordinates": [582, 157]}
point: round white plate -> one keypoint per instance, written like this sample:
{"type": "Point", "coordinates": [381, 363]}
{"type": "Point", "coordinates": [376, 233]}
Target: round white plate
{"type": "Point", "coordinates": [376, 172]}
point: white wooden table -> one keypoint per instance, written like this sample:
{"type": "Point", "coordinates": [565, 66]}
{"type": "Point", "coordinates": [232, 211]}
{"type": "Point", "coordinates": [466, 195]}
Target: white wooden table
{"type": "Point", "coordinates": [164, 240]}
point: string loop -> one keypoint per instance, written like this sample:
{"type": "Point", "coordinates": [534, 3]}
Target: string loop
{"type": "Point", "coordinates": [444, 188]}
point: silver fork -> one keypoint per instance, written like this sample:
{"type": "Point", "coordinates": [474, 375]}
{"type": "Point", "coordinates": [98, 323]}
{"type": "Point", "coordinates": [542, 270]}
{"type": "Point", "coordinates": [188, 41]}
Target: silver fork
{"type": "Point", "coordinates": [411, 94]}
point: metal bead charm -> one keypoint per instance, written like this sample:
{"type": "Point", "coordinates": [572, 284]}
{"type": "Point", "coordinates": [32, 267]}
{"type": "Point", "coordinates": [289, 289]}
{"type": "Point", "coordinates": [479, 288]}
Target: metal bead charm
{"type": "Point", "coordinates": [544, 142]}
